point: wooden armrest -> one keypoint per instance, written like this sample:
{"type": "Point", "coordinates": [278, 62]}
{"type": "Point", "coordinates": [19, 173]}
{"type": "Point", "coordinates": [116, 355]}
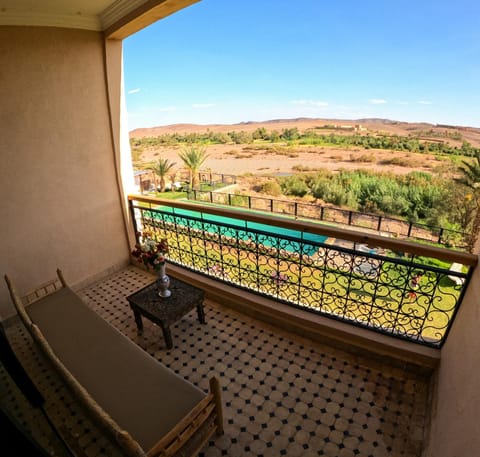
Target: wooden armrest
{"type": "Point", "coordinates": [209, 408]}
{"type": "Point", "coordinates": [61, 278]}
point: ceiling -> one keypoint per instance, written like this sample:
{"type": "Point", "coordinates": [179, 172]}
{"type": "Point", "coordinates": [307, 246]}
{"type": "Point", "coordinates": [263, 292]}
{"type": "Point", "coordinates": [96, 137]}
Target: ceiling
{"type": "Point", "coordinates": [97, 15]}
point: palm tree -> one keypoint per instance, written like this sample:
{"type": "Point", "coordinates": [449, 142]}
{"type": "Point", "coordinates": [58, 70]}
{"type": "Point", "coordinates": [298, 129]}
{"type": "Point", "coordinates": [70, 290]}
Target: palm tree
{"type": "Point", "coordinates": [161, 168]}
{"type": "Point", "coordinates": [173, 179]}
{"type": "Point", "coordinates": [471, 179]}
{"type": "Point", "coordinates": [193, 157]}
{"type": "Point", "coordinates": [471, 172]}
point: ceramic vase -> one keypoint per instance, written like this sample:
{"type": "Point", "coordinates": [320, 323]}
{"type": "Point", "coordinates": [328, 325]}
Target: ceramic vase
{"type": "Point", "coordinates": [163, 282]}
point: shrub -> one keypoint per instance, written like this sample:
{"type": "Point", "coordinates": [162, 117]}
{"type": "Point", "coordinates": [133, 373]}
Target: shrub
{"type": "Point", "coordinates": [334, 192]}
{"type": "Point", "coordinates": [294, 185]}
{"type": "Point", "coordinates": [363, 158]}
{"type": "Point", "coordinates": [303, 168]}
{"type": "Point", "coordinates": [271, 188]}
{"type": "Point", "coordinates": [399, 161]}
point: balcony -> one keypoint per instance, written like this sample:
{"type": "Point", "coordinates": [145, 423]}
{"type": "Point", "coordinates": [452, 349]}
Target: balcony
{"type": "Point", "coordinates": [65, 174]}
{"type": "Point", "coordinates": [397, 288]}
{"type": "Point", "coordinates": [321, 345]}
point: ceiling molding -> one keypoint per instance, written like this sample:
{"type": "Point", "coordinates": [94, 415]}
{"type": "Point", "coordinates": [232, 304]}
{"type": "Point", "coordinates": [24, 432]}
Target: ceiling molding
{"type": "Point", "coordinates": [148, 12]}
{"type": "Point", "coordinates": [117, 10]}
{"type": "Point", "coordinates": [118, 19]}
{"type": "Point", "coordinates": [30, 18]}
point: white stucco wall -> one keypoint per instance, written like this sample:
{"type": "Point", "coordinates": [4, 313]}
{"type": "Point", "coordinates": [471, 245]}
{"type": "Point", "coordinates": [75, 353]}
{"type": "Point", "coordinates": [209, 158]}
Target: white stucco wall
{"type": "Point", "coordinates": [61, 204]}
{"type": "Point", "coordinates": [456, 406]}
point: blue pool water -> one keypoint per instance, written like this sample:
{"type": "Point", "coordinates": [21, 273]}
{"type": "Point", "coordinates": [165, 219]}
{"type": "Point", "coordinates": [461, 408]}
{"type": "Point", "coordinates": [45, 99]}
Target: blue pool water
{"type": "Point", "coordinates": [244, 228]}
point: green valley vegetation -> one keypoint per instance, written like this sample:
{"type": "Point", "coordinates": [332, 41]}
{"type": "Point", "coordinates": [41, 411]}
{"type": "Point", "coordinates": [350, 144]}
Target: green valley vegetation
{"type": "Point", "coordinates": [450, 201]}
{"type": "Point", "coordinates": [415, 197]}
{"type": "Point", "coordinates": [471, 210]}
{"type": "Point", "coordinates": [292, 136]}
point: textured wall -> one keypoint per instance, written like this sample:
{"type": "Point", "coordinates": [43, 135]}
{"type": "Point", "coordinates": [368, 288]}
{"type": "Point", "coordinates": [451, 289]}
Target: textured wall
{"type": "Point", "coordinates": [61, 204]}
{"type": "Point", "coordinates": [456, 409]}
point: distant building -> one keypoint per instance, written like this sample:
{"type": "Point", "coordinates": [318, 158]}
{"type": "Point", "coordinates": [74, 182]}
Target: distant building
{"type": "Point", "coordinates": [143, 180]}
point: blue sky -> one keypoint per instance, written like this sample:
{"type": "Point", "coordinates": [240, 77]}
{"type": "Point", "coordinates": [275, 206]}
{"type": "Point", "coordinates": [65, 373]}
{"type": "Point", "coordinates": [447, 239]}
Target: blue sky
{"type": "Point", "coordinates": [228, 61]}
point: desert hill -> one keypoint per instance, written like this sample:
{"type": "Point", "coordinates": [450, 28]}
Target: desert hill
{"type": "Point", "coordinates": [424, 130]}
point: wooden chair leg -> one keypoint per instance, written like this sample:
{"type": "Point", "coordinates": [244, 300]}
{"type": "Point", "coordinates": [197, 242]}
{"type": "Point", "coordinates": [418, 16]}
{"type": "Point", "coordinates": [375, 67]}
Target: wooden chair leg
{"type": "Point", "coordinates": [217, 395]}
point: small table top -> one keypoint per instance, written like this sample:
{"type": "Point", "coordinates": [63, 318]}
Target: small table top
{"type": "Point", "coordinates": [184, 298]}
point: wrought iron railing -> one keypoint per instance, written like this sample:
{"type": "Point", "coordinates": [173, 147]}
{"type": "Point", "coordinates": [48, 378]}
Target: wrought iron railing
{"type": "Point", "coordinates": [375, 222]}
{"type": "Point", "coordinates": [393, 287]}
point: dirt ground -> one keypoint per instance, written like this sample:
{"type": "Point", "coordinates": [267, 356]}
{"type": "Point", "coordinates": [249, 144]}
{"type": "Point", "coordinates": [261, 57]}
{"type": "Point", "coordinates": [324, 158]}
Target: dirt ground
{"type": "Point", "coordinates": [264, 160]}
{"type": "Point", "coordinates": [234, 159]}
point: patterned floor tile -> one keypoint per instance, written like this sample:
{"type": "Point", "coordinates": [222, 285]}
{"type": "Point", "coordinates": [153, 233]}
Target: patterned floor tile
{"type": "Point", "coordinates": [282, 394]}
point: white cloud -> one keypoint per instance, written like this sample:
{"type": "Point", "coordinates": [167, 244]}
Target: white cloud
{"type": "Point", "coordinates": [317, 103]}
{"type": "Point", "coordinates": [424, 102]}
{"type": "Point", "coordinates": [202, 105]}
{"type": "Point", "coordinates": [377, 101]}
{"type": "Point", "coordinates": [134, 91]}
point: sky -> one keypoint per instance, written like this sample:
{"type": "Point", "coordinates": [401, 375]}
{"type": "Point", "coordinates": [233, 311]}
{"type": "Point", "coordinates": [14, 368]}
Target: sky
{"type": "Point", "coordinates": [230, 61]}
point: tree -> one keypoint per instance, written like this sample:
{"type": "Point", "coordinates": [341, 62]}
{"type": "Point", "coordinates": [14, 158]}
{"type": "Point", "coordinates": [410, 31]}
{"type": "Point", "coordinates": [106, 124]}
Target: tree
{"type": "Point", "coordinates": [161, 168]}
{"type": "Point", "coordinates": [173, 179]}
{"type": "Point", "coordinates": [193, 157]}
{"type": "Point", "coordinates": [290, 134]}
{"type": "Point", "coordinates": [241, 137]}
{"type": "Point", "coordinates": [471, 179]}
{"type": "Point", "coordinates": [471, 172]}
{"type": "Point", "coordinates": [260, 134]}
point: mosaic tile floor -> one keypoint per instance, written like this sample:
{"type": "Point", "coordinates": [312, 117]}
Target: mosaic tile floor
{"type": "Point", "coordinates": [282, 394]}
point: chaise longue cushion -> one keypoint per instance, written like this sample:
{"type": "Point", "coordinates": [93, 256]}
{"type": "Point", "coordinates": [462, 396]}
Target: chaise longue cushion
{"type": "Point", "coordinates": [139, 393]}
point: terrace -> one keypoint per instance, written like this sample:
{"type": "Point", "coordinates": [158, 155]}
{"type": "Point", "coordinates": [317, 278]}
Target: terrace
{"type": "Point", "coordinates": [321, 347]}
{"type": "Point", "coordinates": [283, 394]}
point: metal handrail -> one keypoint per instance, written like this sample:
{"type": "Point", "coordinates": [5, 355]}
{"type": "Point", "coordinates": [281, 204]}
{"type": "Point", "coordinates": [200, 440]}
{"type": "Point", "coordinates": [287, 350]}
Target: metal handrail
{"type": "Point", "coordinates": [393, 244]}
{"type": "Point", "coordinates": [414, 230]}
{"type": "Point", "coordinates": [394, 287]}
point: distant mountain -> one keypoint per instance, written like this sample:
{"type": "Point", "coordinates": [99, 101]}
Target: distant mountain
{"type": "Point", "coordinates": [368, 126]}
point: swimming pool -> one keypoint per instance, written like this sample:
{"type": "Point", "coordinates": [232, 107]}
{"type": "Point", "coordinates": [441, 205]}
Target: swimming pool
{"type": "Point", "coordinates": [268, 235]}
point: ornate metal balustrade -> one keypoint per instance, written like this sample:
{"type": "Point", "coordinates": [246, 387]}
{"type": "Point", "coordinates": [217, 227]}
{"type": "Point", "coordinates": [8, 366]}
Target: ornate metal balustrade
{"type": "Point", "coordinates": [393, 287]}
{"type": "Point", "coordinates": [376, 222]}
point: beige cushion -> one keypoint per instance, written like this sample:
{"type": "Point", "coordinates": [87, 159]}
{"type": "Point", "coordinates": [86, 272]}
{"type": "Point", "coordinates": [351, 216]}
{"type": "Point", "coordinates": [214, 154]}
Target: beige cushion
{"type": "Point", "coordinates": [128, 444]}
{"type": "Point", "coordinates": [138, 392]}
